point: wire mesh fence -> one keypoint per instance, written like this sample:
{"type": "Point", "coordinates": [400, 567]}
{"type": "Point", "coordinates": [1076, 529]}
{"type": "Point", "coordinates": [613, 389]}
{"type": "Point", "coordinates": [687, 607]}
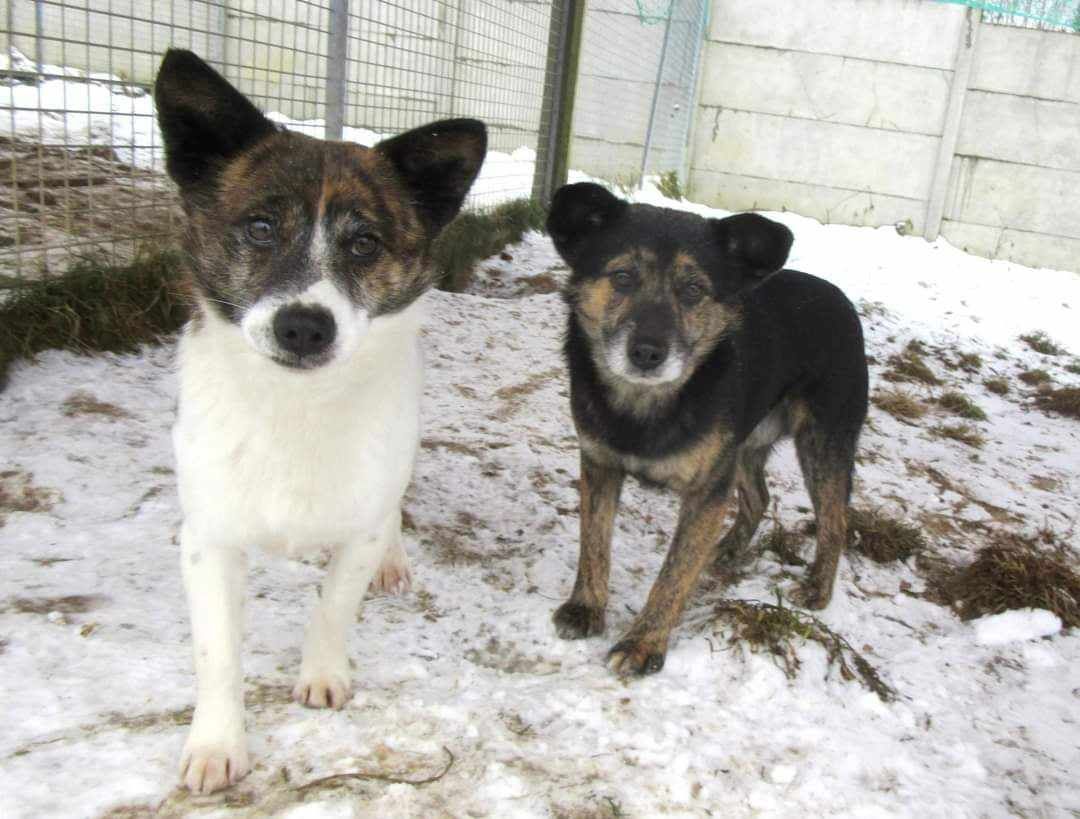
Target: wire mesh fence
{"type": "Point", "coordinates": [81, 159]}
{"type": "Point", "coordinates": [1052, 15]}
{"type": "Point", "coordinates": [636, 88]}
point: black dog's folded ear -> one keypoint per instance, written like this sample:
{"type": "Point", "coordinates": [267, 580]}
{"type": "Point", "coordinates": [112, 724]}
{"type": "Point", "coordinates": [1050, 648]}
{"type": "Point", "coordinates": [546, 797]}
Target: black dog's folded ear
{"type": "Point", "coordinates": [578, 210]}
{"type": "Point", "coordinates": [203, 119]}
{"type": "Point", "coordinates": [757, 244]}
{"type": "Point", "coordinates": [438, 164]}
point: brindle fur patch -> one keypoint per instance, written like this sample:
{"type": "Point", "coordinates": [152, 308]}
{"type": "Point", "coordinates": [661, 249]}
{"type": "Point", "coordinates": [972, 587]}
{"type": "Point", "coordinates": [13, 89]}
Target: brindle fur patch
{"type": "Point", "coordinates": [299, 183]}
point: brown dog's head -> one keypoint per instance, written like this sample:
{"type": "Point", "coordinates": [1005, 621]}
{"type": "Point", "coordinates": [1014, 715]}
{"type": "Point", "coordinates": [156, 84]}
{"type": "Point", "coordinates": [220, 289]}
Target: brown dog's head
{"type": "Point", "coordinates": [300, 242]}
{"type": "Point", "coordinates": [655, 289]}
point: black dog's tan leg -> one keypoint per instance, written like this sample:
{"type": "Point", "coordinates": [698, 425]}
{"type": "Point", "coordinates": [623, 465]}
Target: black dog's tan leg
{"type": "Point", "coordinates": [753, 501]}
{"type": "Point", "coordinates": [583, 614]}
{"type": "Point", "coordinates": [827, 474]}
{"type": "Point", "coordinates": [644, 647]}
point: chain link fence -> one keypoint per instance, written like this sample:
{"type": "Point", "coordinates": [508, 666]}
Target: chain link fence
{"type": "Point", "coordinates": [1049, 15]}
{"type": "Point", "coordinates": [81, 160]}
{"type": "Point", "coordinates": [636, 88]}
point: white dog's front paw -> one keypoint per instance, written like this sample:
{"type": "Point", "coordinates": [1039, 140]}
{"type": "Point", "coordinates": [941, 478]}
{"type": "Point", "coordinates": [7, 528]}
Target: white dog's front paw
{"type": "Point", "coordinates": [393, 575]}
{"type": "Point", "coordinates": [209, 767]}
{"type": "Point", "coordinates": [325, 690]}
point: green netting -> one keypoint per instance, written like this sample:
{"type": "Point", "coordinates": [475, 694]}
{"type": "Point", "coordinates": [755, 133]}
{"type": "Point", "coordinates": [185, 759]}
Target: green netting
{"type": "Point", "coordinates": [1058, 14]}
{"type": "Point", "coordinates": [653, 11]}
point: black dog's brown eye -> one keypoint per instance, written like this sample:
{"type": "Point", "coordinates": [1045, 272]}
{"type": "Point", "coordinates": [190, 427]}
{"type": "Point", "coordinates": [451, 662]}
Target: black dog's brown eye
{"type": "Point", "coordinates": [260, 231]}
{"type": "Point", "coordinates": [364, 246]}
{"type": "Point", "coordinates": [691, 293]}
{"type": "Point", "coordinates": [623, 280]}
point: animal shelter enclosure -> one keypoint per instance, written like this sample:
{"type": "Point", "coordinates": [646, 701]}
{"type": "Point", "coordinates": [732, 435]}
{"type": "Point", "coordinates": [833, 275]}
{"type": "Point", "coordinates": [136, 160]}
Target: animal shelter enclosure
{"type": "Point", "coordinates": [83, 173]}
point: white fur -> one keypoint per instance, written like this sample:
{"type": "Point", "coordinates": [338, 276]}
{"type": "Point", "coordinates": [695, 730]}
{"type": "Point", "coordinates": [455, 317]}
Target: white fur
{"type": "Point", "coordinates": [618, 361]}
{"type": "Point", "coordinates": [292, 460]}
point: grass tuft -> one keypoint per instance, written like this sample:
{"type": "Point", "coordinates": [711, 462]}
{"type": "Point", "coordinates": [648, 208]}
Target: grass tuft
{"type": "Point", "coordinates": [882, 538]}
{"type": "Point", "coordinates": [900, 404]}
{"type": "Point", "coordinates": [998, 386]}
{"type": "Point", "coordinates": [1035, 377]}
{"type": "Point", "coordinates": [1040, 342]}
{"type": "Point", "coordinates": [964, 433]}
{"type": "Point", "coordinates": [910, 366]}
{"type": "Point", "coordinates": [970, 362]}
{"type": "Point", "coordinates": [94, 307]}
{"type": "Point", "coordinates": [1012, 573]}
{"type": "Point", "coordinates": [959, 404]}
{"type": "Point", "coordinates": [776, 630]}
{"type": "Point", "coordinates": [668, 184]}
{"type": "Point", "coordinates": [783, 543]}
{"type": "Point", "coordinates": [1073, 367]}
{"type": "Point", "coordinates": [1065, 401]}
{"type": "Point", "coordinates": [476, 235]}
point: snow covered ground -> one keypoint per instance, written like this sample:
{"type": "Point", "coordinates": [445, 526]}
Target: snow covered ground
{"type": "Point", "coordinates": [96, 677]}
{"type": "Point", "coordinates": [103, 110]}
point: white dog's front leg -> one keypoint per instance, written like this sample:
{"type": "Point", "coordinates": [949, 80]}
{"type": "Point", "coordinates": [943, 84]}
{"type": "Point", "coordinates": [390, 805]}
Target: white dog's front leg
{"type": "Point", "coordinates": [215, 754]}
{"type": "Point", "coordinates": [325, 681]}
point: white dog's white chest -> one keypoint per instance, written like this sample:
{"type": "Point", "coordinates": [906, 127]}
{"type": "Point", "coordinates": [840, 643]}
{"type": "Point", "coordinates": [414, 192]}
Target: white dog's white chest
{"type": "Point", "coordinates": [296, 460]}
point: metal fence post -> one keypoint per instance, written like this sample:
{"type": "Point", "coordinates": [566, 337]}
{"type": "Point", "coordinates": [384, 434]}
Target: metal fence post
{"type": "Point", "coordinates": [656, 94]}
{"type": "Point", "coordinates": [337, 55]}
{"type": "Point", "coordinates": [939, 187]}
{"type": "Point", "coordinates": [557, 107]}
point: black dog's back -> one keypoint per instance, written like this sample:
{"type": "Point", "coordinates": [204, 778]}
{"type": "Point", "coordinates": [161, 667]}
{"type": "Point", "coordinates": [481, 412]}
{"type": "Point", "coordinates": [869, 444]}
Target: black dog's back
{"type": "Point", "coordinates": [801, 337]}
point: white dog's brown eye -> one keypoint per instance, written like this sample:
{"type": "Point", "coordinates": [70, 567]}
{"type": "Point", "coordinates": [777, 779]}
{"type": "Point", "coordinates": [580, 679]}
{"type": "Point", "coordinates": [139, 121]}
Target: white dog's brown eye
{"type": "Point", "coordinates": [260, 231]}
{"type": "Point", "coordinates": [623, 280]}
{"type": "Point", "coordinates": [364, 246]}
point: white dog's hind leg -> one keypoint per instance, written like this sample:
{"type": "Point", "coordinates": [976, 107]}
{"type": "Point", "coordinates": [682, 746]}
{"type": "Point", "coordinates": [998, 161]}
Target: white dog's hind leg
{"type": "Point", "coordinates": [324, 670]}
{"type": "Point", "coordinates": [393, 575]}
{"type": "Point", "coordinates": [215, 754]}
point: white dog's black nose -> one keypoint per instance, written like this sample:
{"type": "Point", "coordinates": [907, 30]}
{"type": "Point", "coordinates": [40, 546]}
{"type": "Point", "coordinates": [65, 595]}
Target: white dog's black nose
{"type": "Point", "coordinates": [647, 355]}
{"type": "Point", "coordinates": [304, 331]}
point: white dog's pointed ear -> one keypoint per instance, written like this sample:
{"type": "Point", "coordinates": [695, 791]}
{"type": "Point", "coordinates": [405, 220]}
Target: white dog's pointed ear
{"type": "Point", "coordinates": [204, 120]}
{"type": "Point", "coordinates": [579, 210]}
{"type": "Point", "coordinates": [438, 164]}
{"type": "Point", "coordinates": [759, 245]}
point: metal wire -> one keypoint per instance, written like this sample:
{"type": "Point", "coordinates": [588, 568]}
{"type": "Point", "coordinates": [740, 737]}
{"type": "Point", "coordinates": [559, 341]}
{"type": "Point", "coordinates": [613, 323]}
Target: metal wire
{"type": "Point", "coordinates": [636, 88]}
{"type": "Point", "coordinates": [81, 164]}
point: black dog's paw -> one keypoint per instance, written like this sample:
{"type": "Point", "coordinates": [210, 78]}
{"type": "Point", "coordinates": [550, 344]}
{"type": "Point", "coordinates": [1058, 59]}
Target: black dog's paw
{"type": "Point", "coordinates": [575, 621]}
{"type": "Point", "coordinates": [636, 657]}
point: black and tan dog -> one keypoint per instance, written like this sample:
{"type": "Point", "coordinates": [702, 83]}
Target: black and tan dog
{"type": "Point", "coordinates": [689, 356]}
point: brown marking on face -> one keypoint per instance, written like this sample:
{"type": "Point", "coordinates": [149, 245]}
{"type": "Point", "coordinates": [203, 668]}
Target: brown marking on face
{"type": "Point", "coordinates": [595, 297]}
{"type": "Point", "coordinates": [297, 182]}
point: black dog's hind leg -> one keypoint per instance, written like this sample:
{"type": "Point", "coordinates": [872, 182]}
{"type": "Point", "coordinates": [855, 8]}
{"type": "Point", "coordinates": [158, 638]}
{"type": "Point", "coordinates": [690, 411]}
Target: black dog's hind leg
{"type": "Point", "coordinates": [827, 463]}
{"type": "Point", "coordinates": [583, 614]}
{"type": "Point", "coordinates": [753, 501]}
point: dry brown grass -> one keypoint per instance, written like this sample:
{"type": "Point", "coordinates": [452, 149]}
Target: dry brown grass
{"type": "Point", "coordinates": [777, 631]}
{"type": "Point", "coordinates": [959, 404]}
{"type": "Point", "coordinates": [964, 433]}
{"type": "Point", "coordinates": [881, 537]}
{"type": "Point", "coordinates": [1035, 377]}
{"type": "Point", "coordinates": [1011, 573]}
{"type": "Point", "coordinates": [83, 403]}
{"type": "Point", "coordinates": [899, 403]}
{"type": "Point", "coordinates": [1065, 401]}
{"type": "Point", "coordinates": [998, 386]}
{"type": "Point", "coordinates": [1040, 342]}
{"type": "Point", "coordinates": [909, 365]}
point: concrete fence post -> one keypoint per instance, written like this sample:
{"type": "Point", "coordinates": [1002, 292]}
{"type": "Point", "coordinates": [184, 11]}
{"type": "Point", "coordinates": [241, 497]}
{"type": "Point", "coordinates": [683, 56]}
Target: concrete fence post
{"type": "Point", "coordinates": [337, 56]}
{"type": "Point", "coordinates": [965, 57]}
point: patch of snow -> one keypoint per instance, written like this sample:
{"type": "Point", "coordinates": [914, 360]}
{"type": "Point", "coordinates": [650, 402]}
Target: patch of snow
{"type": "Point", "coordinates": [1015, 626]}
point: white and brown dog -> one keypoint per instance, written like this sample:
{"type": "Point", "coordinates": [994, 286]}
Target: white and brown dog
{"type": "Point", "coordinates": [300, 371]}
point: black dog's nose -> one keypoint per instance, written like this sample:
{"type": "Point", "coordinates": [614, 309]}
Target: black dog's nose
{"type": "Point", "coordinates": [647, 355]}
{"type": "Point", "coordinates": [304, 330]}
